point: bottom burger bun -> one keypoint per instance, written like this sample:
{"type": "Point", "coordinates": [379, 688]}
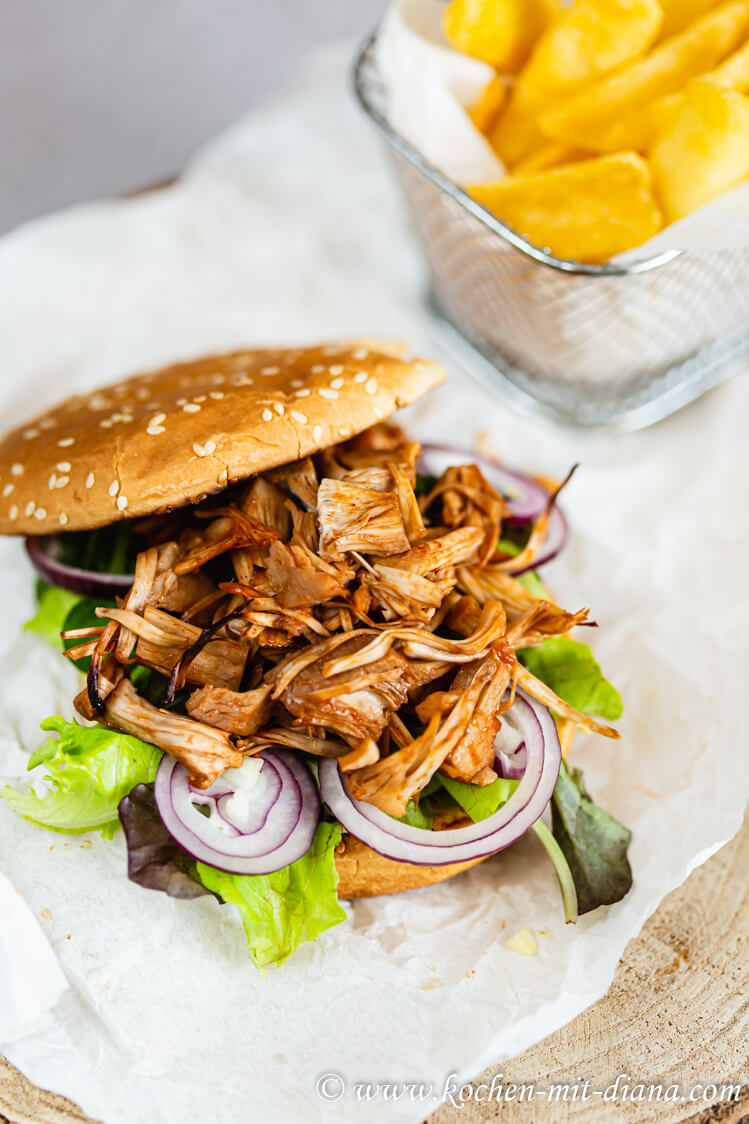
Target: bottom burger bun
{"type": "Point", "coordinates": [363, 873]}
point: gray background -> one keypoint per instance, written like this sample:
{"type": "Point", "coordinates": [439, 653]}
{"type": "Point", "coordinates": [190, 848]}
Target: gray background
{"type": "Point", "coordinates": [98, 97]}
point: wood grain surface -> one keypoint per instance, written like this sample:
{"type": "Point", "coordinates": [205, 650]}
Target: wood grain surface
{"type": "Point", "coordinates": [677, 1013]}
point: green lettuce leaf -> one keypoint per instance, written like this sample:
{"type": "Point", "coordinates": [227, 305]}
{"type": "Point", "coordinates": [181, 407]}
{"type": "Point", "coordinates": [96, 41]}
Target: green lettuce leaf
{"type": "Point", "coordinates": [53, 606]}
{"type": "Point", "coordinates": [281, 911]}
{"type": "Point", "coordinates": [418, 815]}
{"type": "Point", "coordinates": [88, 770]}
{"type": "Point", "coordinates": [571, 670]}
{"type": "Point", "coordinates": [532, 582]}
{"type": "Point", "coordinates": [480, 801]}
{"type": "Point", "coordinates": [593, 842]}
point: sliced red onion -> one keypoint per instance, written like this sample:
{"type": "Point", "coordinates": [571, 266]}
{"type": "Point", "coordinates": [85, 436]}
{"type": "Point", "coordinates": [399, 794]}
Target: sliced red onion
{"type": "Point", "coordinates": [276, 828]}
{"type": "Point", "coordinates": [399, 841]}
{"type": "Point", "coordinates": [43, 551]}
{"type": "Point", "coordinates": [556, 536]}
{"type": "Point", "coordinates": [525, 498]}
{"type": "Point", "coordinates": [509, 749]}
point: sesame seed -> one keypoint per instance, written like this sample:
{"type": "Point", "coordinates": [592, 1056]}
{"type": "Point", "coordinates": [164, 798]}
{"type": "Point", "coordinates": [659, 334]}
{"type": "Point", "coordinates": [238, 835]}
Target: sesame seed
{"type": "Point", "coordinates": [267, 414]}
{"type": "Point", "coordinates": [63, 481]}
{"type": "Point", "coordinates": [47, 423]}
{"type": "Point", "coordinates": [90, 480]}
{"type": "Point", "coordinates": [303, 393]}
{"type": "Point", "coordinates": [324, 392]}
{"type": "Point", "coordinates": [297, 382]}
{"type": "Point", "coordinates": [298, 416]}
{"type": "Point", "coordinates": [200, 398]}
{"type": "Point", "coordinates": [157, 419]}
{"type": "Point", "coordinates": [191, 408]}
{"type": "Point", "coordinates": [62, 518]}
{"type": "Point", "coordinates": [121, 503]}
{"type": "Point", "coordinates": [105, 423]}
{"type": "Point", "coordinates": [63, 466]}
{"type": "Point", "coordinates": [40, 513]}
{"type": "Point", "coordinates": [114, 488]}
{"type": "Point", "coordinates": [223, 476]}
{"type": "Point", "coordinates": [360, 353]}
{"type": "Point", "coordinates": [218, 380]}
{"type": "Point", "coordinates": [98, 402]}
{"type": "Point", "coordinates": [13, 513]}
{"type": "Point", "coordinates": [361, 376]}
{"type": "Point", "coordinates": [181, 401]}
{"type": "Point", "coordinates": [155, 430]}
{"type": "Point", "coordinates": [29, 509]}
{"type": "Point", "coordinates": [142, 393]}
{"type": "Point", "coordinates": [318, 369]}
{"type": "Point", "coordinates": [278, 407]}
{"type": "Point", "coordinates": [217, 394]}
{"type": "Point", "coordinates": [16, 470]}
{"type": "Point", "coordinates": [337, 383]}
{"type": "Point", "coordinates": [344, 431]}
{"type": "Point", "coordinates": [317, 433]}
{"type": "Point", "coordinates": [371, 386]}
{"type": "Point", "coordinates": [8, 489]}
{"type": "Point", "coordinates": [65, 442]}
{"type": "Point", "coordinates": [269, 370]}
{"type": "Point", "coordinates": [204, 450]}
{"type": "Point", "coordinates": [30, 434]}
{"type": "Point", "coordinates": [52, 481]}
{"type": "Point", "coordinates": [337, 369]}
{"type": "Point", "coordinates": [242, 380]}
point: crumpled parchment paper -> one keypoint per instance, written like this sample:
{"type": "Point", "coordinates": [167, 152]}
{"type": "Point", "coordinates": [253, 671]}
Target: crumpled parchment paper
{"type": "Point", "coordinates": [287, 229]}
{"type": "Point", "coordinates": [431, 86]}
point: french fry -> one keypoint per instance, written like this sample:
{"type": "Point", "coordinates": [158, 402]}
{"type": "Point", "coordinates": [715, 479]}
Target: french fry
{"type": "Point", "coordinates": [704, 152]}
{"type": "Point", "coordinates": [587, 211]}
{"type": "Point", "coordinates": [487, 109]}
{"type": "Point", "coordinates": [552, 154]}
{"type": "Point", "coordinates": [500, 32]}
{"type": "Point", "coordinates": [516, 135]}
{"type": "Point", "coordinates": [589, 115]}
{"type": "Point", "coordinates": [587, 40]}
{"type": "Point", "coordinates": [639, 130]}
{"type": "Point", "coordinates": [678, 14]}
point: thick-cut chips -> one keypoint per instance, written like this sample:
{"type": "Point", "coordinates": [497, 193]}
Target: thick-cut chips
{"type": "Point", "coordinates": [639, 130]}
{"type": "Point", "coordinates": [678, 14]}
{"type": "Point", "coordinates": [587, 40]}
{"type": "Point", "coordinates": [500, 32]}
{"type": "Point", "coordinates": [704, 152]}
{"type": "Point", "coordinates": [487, 109]}
{"type": "Point", "coordinates": [553, 154]}
{"type": "Point", "coordinates": [588, 211]}
{"type": "Point", "coordinates": [587, 117]}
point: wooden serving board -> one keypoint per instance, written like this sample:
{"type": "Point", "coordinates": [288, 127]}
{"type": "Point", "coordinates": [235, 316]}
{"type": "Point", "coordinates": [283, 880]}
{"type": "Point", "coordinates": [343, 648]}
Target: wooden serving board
{"type": "Point", "coordinates": [677, 1013]}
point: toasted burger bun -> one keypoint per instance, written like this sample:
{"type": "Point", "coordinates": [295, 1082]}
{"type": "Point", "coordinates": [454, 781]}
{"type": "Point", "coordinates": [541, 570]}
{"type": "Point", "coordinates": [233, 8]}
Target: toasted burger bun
{"type": "Point", "coordinates": [173, 436]}
{"type": "Point", "coordinates": [363, 873]}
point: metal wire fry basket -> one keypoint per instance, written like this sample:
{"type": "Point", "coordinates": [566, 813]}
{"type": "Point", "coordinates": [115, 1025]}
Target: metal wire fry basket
{"type": "Point", "coordinates": [620, 345]}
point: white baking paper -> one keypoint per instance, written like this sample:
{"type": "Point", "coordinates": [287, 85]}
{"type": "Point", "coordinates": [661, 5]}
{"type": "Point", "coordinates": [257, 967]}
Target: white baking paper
{"type": "Point", "coordinates": [290, 229]}
{"type": "Point", "coordinates": [431, 86]}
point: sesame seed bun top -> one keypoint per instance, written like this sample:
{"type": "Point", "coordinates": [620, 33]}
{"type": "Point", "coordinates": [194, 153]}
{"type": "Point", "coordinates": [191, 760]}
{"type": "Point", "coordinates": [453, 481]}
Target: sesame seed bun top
{"type": "Point", "coordinates": [170, 437]}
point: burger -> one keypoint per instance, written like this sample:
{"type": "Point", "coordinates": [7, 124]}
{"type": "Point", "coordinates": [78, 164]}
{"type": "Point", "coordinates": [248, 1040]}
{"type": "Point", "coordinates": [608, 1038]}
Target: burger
{"type": "Point", "coordinates": [317, 660]}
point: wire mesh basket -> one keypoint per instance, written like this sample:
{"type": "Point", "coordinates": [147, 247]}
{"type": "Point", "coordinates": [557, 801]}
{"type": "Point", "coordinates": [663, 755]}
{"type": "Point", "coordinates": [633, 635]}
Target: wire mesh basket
{"type": "Point", "coordinates": [616, 344]}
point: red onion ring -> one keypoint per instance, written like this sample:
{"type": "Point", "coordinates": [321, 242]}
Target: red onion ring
{"type": "Point", "coordinates": [524, 497]}
{"type": "Point", "coordinates": [41, 550]}
{"type": "Point", "coordinates": [556, 536]}
{"type": "Point", "coordinates": [403, 843]}
{"type": "Point", "coordinates": [277, 831]}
